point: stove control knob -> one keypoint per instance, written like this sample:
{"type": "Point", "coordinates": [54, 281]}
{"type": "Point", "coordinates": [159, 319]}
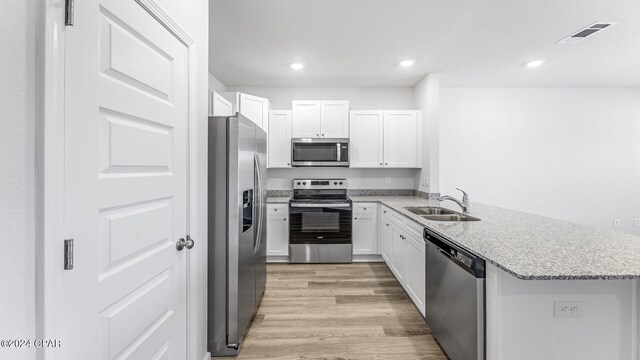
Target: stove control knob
{"type": "Point", "coordinates": [340, 182]}
{"type": "Point", "coordinates": [298, 182]}
{"type": "Point", "coordinates": [335, 183]}
{"type": "Point", "coordinates": [304, 183]}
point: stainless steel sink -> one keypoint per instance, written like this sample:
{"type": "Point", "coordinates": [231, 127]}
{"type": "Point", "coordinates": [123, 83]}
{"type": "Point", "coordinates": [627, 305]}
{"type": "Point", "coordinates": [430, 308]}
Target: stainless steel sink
{"type": "Point", "coordinates": [450, 217]}
{"type": "Point", "coordinates": [436, 213]}
{"type": "Point", "coordinates": [429, 210]}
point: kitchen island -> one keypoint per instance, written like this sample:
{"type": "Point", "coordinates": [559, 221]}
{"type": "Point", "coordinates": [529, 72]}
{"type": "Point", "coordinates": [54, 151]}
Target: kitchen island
{"type": "Point", "coordinates": [534, 264]}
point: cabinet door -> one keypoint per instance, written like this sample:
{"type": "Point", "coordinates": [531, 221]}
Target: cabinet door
{"type": "Point", "coordinates": [364, 234]}
{"type": "Point", "coordinates": [305, 119]}
{"type": "Point", "coordinates": [402, 139]}
{"type": "Point", "coordinates": [415, 273]}
{"type": "Point", "coordinates": [220, 106]}
{"type": "Point", "coordinates": [278, 235]}
{"type": "Point", "coordinates": [334, 117]}
{"type": "Point", "coordinates": [398, 253]}
{"type": "Point", "coordinates": [255, 109]}
{"type": "Point", "coordinates": [387, 241]}
{"type": "Point", "coordinates": [279, 153]}
{"type": "Point", "coordinates": [365, 139]}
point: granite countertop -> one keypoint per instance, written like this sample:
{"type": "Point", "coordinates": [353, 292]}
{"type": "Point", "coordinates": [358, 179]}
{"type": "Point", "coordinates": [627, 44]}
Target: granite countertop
{"type": "Point", "coordinates": [278, 199]}
{"type": "Point", "coordinates": [531, 247]}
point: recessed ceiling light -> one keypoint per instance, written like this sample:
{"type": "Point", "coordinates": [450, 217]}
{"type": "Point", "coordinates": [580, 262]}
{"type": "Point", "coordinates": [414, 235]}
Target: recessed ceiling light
{"type": "Point", "coordinates": [297, 66]}
{"type": "Point", "coordinates": [535, 63]}
{"type": "Point", "coordinates": [406, 63]}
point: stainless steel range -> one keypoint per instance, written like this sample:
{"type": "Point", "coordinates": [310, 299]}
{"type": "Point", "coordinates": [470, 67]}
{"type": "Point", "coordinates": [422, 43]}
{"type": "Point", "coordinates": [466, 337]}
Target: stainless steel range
{"type": "Point", "coordinates": [320, 222]}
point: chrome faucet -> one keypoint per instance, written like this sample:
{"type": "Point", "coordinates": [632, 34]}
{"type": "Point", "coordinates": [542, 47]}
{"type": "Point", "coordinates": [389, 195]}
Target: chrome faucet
{"type": "Point", "coordinates": [464, 204]}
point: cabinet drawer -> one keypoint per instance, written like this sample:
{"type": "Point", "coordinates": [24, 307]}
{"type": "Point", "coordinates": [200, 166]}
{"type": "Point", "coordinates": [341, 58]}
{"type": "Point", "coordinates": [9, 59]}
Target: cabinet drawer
{"type": "Point", "coordinates": [364, 208]}
{"type": "Point", "coordinates": [278, 210]}
{"type": "Point", "coordinates": [414, 229]}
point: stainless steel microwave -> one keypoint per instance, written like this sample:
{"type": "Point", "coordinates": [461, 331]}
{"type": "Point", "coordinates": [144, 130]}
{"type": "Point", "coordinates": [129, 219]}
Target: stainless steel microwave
{"type": "Point", "coordinates": [320, 152]}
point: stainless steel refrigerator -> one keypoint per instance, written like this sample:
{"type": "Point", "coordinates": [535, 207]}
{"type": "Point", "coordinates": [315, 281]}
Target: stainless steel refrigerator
{"type": "Point", "coordinates": [237, 229]}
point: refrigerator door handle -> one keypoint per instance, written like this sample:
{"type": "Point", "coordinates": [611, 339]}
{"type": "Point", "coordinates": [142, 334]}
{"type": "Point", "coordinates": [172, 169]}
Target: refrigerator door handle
{"type": "Point", "coordinates": [259, 206]}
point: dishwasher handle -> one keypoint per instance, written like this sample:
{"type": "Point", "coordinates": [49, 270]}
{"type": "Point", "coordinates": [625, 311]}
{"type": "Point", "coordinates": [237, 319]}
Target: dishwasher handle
{"type": "Point", "coordinates": [471, 263]}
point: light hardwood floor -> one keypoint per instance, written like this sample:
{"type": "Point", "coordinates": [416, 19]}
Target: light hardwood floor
{"type": "Point", "coordinates": [351, 311]}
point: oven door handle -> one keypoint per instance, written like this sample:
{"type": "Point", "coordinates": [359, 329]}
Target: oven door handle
{"type": "Point", "coordinates": [310, 205]}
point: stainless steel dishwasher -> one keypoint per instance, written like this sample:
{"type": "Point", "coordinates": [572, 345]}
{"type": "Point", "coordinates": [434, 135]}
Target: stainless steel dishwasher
{"type": "Point", "coordinates": [455, 307]}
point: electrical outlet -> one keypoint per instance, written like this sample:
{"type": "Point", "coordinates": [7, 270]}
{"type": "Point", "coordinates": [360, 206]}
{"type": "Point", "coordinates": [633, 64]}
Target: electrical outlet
{"type": "Point", "coordinates": [567, 309]}
{"type": "Point", "coordinates": [636, 222]}
{"type": "Point", "coordinates": [616, 222]}
{"type": "Point", "coordinates": [387, 180]}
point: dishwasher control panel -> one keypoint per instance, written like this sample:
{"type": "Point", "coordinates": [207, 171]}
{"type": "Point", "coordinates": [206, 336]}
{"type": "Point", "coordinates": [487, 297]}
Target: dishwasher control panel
{"type": "Point", "coordinates": [463, 258]}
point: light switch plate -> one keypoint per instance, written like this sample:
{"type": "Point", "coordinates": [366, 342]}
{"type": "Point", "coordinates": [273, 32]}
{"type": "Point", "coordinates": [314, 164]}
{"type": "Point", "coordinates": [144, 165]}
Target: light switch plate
{"type": "Point", "coordinates": [636, 222]}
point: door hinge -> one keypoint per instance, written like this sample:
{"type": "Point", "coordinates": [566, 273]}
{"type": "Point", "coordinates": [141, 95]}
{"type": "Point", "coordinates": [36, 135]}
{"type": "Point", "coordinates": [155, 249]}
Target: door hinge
{"type": "Point", "coordinates": [68, 254]}
{"type": "Point", "coordinates": [68, 12]}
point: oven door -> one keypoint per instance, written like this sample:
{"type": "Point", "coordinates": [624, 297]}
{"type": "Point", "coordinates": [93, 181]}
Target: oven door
{"type": "Point", "coordinates": [320, 152]}
{"type": "Point", "coordinates": [319, 223]}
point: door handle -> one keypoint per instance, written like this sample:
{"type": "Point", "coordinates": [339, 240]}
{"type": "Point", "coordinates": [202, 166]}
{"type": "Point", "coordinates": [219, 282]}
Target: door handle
{"type": "Point", "coordinates": [181, 244]}
{"type": "Point", "coordinates": [189, 243]}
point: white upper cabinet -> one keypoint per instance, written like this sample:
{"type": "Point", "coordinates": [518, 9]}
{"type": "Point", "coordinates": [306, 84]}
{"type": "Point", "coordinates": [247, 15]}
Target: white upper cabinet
{"type": "Point", "coordinates": [318, 119]}
{"type": "Point", "coordinates": [402, 139]}
{"type": "Point", "coordinates": [255, 109]}
{"type": "Point", "coordinates": [306, 119]}
{"type": "Point", "coordinates": [252, 107]}
{"type": "Point", "coordinates": [334, 119]}
{"type": "Point", "coordinates": [386, 138]}
{"type": "Point", "coordinates": [219, 106]}
{"type": "Point", "coordinates": [279, 139]}
{"type": "Point", "coordinates": [366, 140]}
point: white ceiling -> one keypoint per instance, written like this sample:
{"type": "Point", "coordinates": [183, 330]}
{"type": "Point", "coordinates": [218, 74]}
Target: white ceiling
{"type": "Point", "coordinates": [470, 42]}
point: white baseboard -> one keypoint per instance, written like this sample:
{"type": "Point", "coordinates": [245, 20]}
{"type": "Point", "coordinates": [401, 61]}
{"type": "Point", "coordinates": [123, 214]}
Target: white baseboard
{"type": "Point", "coordinates": [277, 259]}
{"type": "Point", "coordinates": [367, 258]}
{"type": "Point", "coordinates": [356, 258]}
{"type": "Point", "coordinates": [207, 356]}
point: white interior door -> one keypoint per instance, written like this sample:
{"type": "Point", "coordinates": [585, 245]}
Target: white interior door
{"type": "Point", "coordinates": [126, 152]}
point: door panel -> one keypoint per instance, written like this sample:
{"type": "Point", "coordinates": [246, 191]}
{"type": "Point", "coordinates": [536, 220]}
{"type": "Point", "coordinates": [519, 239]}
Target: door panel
{"type": "Point", "coordinates": [364, 234]}
{"type": "Point", "coordinates": [402, 134]}
{"type": "Point", "coordinates": [126, 116]}
{"type": "Point", "coordinates": [280, 139]}
{"type": "Point", "coordinates": [255, 109]}
{"type": "Point", "coordinates": [221, 106]}
{"type": "Point", "coordinates": [398, 253]}
{"type": "Point", "coordinates": [334, 117]}
{"type": "Point", "coordinates": [305, 119]}
{"type": "Point", "coordinates": [365, 139]}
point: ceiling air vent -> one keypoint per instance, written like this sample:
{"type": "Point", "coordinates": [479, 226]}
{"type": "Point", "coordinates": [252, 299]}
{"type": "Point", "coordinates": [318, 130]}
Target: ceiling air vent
{"type": "Point", "coordinates": [586, 32]}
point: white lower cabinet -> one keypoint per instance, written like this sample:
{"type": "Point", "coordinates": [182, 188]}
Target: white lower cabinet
{"type": "Point", "coordinates": [277, 230]}
{"type": "Point", "coordinates": [363, 231]}
{"type": "Point", "coordinates": [403, 250]}
{"type": "Point", "coordinates": [415, 271]}
{"type": "Point", "coordinates": [398, 253]}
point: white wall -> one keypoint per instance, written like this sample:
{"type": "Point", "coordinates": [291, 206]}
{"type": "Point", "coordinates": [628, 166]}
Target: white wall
{"type": "Point", "coordinates": [280, 179]}
{"type": "Point", "coordinates": [17, 176]}
{"type": "Point", "coordinates": [427, 98]}
{"type": "Point", "coordinates": [216, 85]}
{"type": "Point", "coordinates": [360, 98]}
{"type": "Point", "coordinates": [567, 153]}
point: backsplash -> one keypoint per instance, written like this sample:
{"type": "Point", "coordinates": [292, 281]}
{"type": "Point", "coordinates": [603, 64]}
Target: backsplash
{"type": "Point", "coordinates": [367, 192]}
